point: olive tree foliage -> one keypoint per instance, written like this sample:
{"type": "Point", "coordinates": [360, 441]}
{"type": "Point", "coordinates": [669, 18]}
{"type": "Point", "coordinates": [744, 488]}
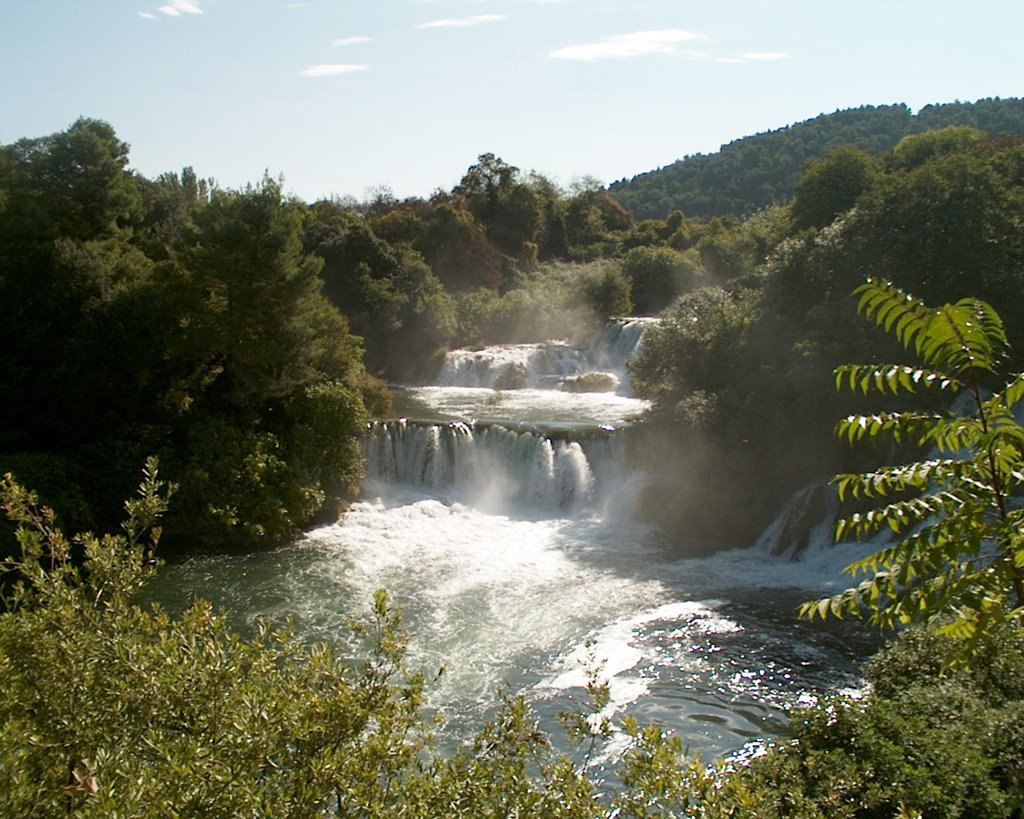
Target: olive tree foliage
{"type": "Point", "coordinates": [113, 708]}
{"type": "Point", "coordinates": [959, 550]}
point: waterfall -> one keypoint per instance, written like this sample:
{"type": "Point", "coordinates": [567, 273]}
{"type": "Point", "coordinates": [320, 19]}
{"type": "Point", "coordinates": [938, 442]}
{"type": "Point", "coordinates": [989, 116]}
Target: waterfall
{"type": "Point", "coordinates": [804, 524]}
{"type": "Point", "coordinates": [620, 340]}
{"type": "Point", "coordinates": [504, 526]}
{"type": "Point", "coordinates": [601, 367]}
{"type": "Point", "coordinates": [492, 465]}
{"type": "Point", "coordinates": [511, 366]}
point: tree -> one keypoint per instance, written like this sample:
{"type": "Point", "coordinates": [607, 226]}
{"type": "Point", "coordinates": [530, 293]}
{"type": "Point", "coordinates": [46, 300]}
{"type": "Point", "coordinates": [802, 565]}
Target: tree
{"type": "Point", "coordinates": [657, 276]}
{"type": "Point", "coordinates": [960, 547]}
{"type": "Point", "coordinates": [608, 293]}
{"type": "Point", "coordinates": [831, 185]}
{"type": "Point", "coordinates": [269, 327]}
{"type": "Point", "coordinates": [77, 180]}
{"type": "Point", "coordinates": [458, 251]}
{"type": "Point", "coordinates": [484, 182]}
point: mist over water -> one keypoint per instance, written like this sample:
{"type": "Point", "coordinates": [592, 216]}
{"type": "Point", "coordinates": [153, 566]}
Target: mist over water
{"type": "Point", "coordinates": [510, 542]}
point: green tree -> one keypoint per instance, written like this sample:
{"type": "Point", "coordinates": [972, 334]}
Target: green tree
{"type": "Point", "coordinates": [960, 542]}
{"type": "Point", "coordinates": [608, 293]}
{"type": "Point", "coordinates": [458, 251]}
{"type": "Point", "coordinates": [386, 290]}
{"type": "Point", "coordinates": [831, 185]}
{"type": "Point", "coordinates": [73, 183]}
{"type": "Point", "coordinates": [267, 325]}
{"type": "Point", "coordinates": [657, 275]}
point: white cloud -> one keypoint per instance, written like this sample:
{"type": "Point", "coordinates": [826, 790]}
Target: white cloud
{"type": "Point", "coordinates": [295, 5]}
{"type": "Point", "coordinates": [332, 70]}
{"type": "Point", "coordinates": [475, 20]}
{"type": "Point", "coordinates": [766, 55]}
{"type": "Point", "coordinates": [347, 41]}
{"type": "Point", "coordinates": [635, 44]}
{"type": "Point", "coordinates": [147, 15]}
{"type": "Point", "coordinates": [176, 8]}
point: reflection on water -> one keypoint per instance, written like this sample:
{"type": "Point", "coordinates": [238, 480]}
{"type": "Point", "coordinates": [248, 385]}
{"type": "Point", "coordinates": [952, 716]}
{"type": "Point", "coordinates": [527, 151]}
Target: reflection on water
{"type": "Point", "coordinates": [527, 405]}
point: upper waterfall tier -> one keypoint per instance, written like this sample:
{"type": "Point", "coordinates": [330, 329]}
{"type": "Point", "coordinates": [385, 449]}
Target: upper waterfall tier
{"type": "Point", "coordinates": [512, 366]}
{"type": "Point", "coordinates": [620, 340]}
{"type": "Point", "coordinates": [553, 365]}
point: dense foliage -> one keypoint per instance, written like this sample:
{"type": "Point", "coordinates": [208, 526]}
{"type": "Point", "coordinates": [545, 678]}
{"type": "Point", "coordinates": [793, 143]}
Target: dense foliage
{"type": "Point", "coordinates": [960, 549]}
{"type": "Point", "coordinates": [169, 318]}
{"type": "Point", "coordinates": [739, 369]}
{"type": "Point", "coordinates": [762, 170]}
{"type": "Point", "coordinates": [110, 708]}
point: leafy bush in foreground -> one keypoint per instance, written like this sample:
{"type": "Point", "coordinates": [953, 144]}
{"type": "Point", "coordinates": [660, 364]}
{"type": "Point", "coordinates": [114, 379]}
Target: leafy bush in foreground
{"type": "Point", "coordinates": [959, 552]}
{"type": "Point", "coordinates": [110, 709]}
{"type": "Point", "coordinates": [927, 742]}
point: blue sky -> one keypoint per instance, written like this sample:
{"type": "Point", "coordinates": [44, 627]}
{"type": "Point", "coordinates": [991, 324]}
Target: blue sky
{"type": "Point", "coordinates": [338, 96]}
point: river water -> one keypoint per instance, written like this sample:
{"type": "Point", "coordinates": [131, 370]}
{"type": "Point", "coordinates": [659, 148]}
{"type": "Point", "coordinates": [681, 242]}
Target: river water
{"type": "Point", "coordinates": [498, 511]}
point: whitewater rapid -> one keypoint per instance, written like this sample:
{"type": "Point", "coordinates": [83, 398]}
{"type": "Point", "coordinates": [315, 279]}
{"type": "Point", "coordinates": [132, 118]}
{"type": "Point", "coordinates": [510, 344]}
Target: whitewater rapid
{"type": "Point", "coordinates": [509, 541]}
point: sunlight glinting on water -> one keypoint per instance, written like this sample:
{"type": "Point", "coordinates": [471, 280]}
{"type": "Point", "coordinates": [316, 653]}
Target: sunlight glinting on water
{"type": "Point", "coordinates": [514, 551]}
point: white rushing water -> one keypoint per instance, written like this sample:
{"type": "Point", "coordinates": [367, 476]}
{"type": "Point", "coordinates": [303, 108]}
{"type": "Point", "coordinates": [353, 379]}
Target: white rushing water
{"type": "Point", "coordinates": [512, 547]}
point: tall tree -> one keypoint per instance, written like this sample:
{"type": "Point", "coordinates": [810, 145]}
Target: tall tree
{"type": "Point", "coordinates": [268, 326]}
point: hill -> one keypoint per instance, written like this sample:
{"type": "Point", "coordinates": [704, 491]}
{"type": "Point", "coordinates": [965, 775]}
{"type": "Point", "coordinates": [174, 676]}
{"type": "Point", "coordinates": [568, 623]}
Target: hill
{"type": "Point", "coordinates": [754, 172]}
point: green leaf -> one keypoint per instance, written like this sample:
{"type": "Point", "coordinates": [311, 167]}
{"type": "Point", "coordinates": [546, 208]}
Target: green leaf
{"type": "Point", "coordinates": [959, 545]}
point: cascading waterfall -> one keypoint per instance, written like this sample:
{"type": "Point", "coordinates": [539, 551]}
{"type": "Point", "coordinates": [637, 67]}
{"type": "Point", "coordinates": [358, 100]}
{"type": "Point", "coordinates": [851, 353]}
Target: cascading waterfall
{"type": "Point", "coordinates": [805, 523]}
{"type": "Point", "coordinates": [504, 526]}
{"type": "Point", "coordinates": [488, 466]}
{"type": "Point", "coordinates": [511, 366]}
{"type": "Point", "coordinates": [551, 365]}
{"type": "Point", "coordinates": [619, 341]}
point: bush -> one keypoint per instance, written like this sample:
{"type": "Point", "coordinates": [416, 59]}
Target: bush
{"type": "Point", "coordinates": [927, 740]}
{"type": "Point", "coordinates": [109, 708]}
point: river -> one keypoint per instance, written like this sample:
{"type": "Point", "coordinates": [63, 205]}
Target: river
{"type": "Point", "coordinates": [498, 511]}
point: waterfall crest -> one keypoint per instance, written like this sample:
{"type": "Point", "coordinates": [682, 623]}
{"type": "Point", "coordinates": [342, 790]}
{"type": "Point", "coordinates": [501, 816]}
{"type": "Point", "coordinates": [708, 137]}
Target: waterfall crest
{"type": "Point", "coordinates": [553, 365]}
{"type": "Point", "coordinates": [493, 466]}
{"type": "Point", "coordinates": [512, 366]}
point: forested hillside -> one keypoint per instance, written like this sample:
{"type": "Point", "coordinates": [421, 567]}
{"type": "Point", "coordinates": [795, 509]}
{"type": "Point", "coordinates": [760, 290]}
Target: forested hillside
{"type": "Point", "coordinates": [761, 170]}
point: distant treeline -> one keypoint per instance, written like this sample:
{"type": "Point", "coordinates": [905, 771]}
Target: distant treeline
{"type": "Point", "coordinates": [761, 170]}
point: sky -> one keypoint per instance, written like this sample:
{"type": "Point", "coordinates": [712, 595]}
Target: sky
{"type": "Point", "coordinates": [343, 97]}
